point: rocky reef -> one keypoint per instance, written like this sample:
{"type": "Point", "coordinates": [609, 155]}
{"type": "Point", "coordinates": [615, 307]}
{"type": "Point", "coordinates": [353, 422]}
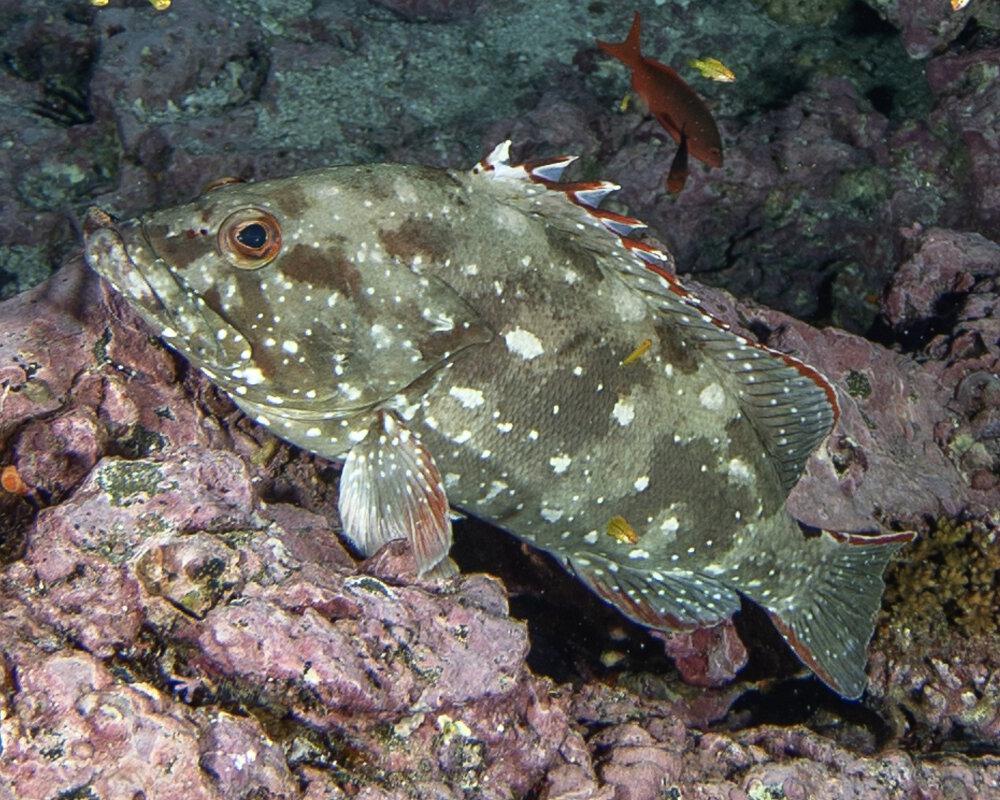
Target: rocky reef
{"type": "Point", "coordinates": [177, 615]}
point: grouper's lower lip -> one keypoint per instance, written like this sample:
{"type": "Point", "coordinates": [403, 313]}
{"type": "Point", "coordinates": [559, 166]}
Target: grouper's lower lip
{"type": "Point", "coordinates": [104, 247]}
{"type": "Point", "coordinates": [107, 244]}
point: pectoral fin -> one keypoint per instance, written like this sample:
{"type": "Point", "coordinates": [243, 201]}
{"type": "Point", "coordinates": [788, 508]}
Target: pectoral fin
{"type": "Point", "coordinates": [391, 489]}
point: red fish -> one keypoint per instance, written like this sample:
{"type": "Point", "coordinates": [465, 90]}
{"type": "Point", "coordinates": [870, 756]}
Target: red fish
{"type": "Point", "coordinates": [674, 104]}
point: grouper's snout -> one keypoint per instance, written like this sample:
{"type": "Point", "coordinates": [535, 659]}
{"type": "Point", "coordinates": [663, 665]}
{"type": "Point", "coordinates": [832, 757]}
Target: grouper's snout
{"type": "Point", "coordinates": [103, 245]}
{"type": "Point", "coordinates": [110, 248]}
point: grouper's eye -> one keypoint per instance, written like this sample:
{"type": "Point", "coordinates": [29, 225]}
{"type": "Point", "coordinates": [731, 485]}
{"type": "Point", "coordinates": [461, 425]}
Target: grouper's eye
{"type": "Point", "coordinates": [250, 238]}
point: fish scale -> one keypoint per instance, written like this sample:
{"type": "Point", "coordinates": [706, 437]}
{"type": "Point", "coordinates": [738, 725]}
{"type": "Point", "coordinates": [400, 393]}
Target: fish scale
{"type": "Point", "coordinates": [495, 342]}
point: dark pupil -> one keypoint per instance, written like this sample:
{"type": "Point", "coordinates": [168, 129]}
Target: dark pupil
{"type": "Point", "coordinates": [252, 236]}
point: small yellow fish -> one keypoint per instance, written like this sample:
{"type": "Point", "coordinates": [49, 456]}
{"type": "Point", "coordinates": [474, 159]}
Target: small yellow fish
{"type": "Point", "coordinates": [159, 5]}
{"type": "Point", "coordinates": [958, 5]}
{"type": "Point", "coordinates": [717, 71]}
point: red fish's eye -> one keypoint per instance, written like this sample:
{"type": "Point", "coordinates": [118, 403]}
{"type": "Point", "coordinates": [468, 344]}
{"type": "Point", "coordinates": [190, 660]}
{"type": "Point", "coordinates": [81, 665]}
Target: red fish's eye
{"type": "Point", "coordinates": [250, 238]}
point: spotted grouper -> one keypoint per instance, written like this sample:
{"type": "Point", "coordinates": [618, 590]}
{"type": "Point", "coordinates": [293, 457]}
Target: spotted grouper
{"type": "Point", "coordinates": [494, 342]}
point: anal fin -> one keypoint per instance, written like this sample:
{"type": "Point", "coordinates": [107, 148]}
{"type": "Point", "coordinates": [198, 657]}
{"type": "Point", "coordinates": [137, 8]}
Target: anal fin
{"type": "Point", "coordinates": [391, 489]}
{"type": "Point", "coordinates": [656, 599]}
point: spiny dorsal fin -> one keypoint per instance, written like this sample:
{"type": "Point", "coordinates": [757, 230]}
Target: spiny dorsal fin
{"type": "Point", "coordinates": [791, 405]}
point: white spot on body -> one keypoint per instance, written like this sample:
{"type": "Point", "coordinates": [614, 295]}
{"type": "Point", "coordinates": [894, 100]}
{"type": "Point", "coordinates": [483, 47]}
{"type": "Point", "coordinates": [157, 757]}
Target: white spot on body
{"type": "Point", "coordinates": [623, 412]}
{"type": "Point", "coordinates": [551, 515]}
{"type": "Point", "coordinates": [560, 463]}
{"type": "Point", "coordinates": [496, 487]}
{"type": "Point", "coordinates": [523, 343]}
{"type": "Point", "coordinates": [739, 470]}
{"type": "Point", "coordinates": [381, 337]}
{"type": "Point", "coordinates": [467, 396]}
{"type": "Point", "coordinates": [712, 397]}
{"type": "Point", "coordinates": [251, 376]}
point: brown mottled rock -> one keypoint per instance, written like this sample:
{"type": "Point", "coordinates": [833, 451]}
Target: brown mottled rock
{"type": "Point", "coordinates": [708, 656]}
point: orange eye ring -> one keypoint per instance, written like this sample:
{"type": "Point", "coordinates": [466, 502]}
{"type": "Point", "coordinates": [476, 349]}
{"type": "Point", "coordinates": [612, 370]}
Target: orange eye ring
{"type": "Point", "coordinates": [250, 238]}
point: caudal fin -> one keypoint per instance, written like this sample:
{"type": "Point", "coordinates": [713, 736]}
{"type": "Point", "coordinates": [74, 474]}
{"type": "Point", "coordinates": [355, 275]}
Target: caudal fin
{"type": "Point", "coordinates": [628, 51]}
{"type": "Point", "coordinates": [830, 627]}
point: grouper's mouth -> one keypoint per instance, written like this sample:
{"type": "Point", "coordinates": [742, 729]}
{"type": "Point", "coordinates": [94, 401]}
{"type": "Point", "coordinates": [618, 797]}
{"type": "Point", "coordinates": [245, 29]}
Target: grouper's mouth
{"type": "Point", "coordinates": [122, 254]}
{"type": "Point", "coordinates": [107, 253]}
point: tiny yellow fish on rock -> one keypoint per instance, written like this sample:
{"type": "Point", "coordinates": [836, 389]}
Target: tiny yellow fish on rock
{"type": "Point", "coordinates": [159, 5]}
{"type": "Point", "coordinates": [712, 68]}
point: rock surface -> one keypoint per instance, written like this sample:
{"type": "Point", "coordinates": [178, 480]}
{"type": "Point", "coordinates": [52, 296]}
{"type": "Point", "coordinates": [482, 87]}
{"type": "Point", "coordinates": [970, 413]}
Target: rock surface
{"type": "Point", "coordinates": [167, 630]}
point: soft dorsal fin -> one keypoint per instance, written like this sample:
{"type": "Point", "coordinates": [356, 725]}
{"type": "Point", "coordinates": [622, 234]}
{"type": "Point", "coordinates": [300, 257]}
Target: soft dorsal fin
{"type": "Point", "coordinates": [790, 404]}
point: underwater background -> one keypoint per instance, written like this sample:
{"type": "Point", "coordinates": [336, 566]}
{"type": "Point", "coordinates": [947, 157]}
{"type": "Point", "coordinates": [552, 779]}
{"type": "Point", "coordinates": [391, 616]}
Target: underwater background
{"type": "Point", "coordinates": [860, 190]}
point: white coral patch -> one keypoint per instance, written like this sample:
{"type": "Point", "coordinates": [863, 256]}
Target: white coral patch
{"type": "Point", "coordinates": [523, 343]}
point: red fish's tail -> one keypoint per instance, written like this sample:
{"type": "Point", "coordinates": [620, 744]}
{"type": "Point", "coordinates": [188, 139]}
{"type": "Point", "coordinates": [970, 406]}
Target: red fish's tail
{"type": "Point", "coordinates": [628, 51]}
